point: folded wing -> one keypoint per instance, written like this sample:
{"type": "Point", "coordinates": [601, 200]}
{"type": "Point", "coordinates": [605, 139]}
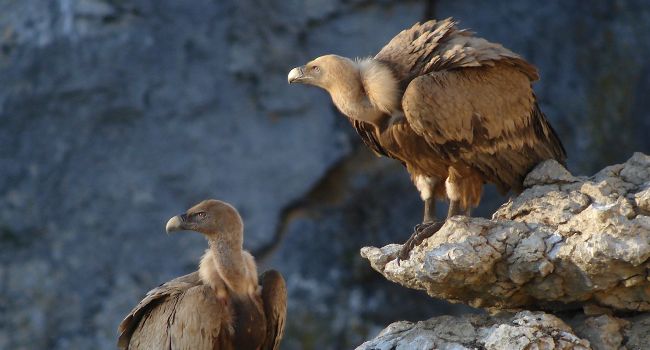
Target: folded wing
{"type": "Point", "coordinates": [274, 298]}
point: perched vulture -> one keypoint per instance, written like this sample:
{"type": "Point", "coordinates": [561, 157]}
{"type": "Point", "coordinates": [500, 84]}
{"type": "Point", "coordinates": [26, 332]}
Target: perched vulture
{"type": "Point", "coordinates": [220, 306]}
{"type": "Point", "coordinates": [456, 110]}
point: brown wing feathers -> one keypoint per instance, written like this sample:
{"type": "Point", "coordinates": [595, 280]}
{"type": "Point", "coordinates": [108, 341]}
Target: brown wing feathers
{"type": "Point", "coordinates": [367, 134]}
{"type": "Point", "coordinates": [440, 45]}
{"type": "Point", "coordinates": [274, 297]}
{"type": "Point", "coordinates": [186, 314]}
{"type": "Point", "coordinates": [153, 298]}
{"type": "Point", "coordinates": [475, 104]}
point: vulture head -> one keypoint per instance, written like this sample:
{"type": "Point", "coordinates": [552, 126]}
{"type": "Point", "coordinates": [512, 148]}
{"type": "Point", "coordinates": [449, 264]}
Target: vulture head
{"type": "Point", "coordinates": [210, 217]}
{"type": "Point", "coordinates": [361, 89]}
{"type": "Point", "coordinates": [325, 72]}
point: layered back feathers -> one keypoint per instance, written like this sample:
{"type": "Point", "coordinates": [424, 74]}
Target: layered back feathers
{"type": "Point", "coordinates": [440, 45]}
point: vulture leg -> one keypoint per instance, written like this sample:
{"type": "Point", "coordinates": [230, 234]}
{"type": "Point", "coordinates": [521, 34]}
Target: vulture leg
{"type": "Point", "coordinates": [429, 210]}
{"type": "Point", "coordinates": [454, 208]}
{"type": "Point", "coordinates": [429, 226]}
{"type": "Point", "coordinates": [429, 215]}
{"type": "Point", "coordinates": [427, 186]}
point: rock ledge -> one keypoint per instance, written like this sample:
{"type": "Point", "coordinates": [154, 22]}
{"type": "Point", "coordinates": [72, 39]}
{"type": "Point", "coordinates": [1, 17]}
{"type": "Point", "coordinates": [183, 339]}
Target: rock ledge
{"type": "Point", "coordinates": [564, 242]}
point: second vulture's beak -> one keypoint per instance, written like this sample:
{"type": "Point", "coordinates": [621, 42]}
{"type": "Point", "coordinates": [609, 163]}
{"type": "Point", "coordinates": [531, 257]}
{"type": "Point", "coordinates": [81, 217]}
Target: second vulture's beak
{"type": "Point", "coordinates": [296, 75]}
{"type": "Point", "coordinates": [177, 223]}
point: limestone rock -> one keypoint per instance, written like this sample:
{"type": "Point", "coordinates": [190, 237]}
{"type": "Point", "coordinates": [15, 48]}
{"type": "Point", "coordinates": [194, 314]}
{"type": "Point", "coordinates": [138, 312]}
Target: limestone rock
{"type": "Point", "coordinates": [524, 330]}
{"type": "Point", "coordinates": [565, 241]}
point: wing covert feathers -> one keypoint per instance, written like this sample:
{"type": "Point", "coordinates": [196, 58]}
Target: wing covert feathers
{"type": "Point", "coordinates": [167, 317]}
{"type": "Point", "coordinates": [486, 117]}
{"type": "Point", "coordinates": [439, 45]}
{"type": "Point", "coordinates": [169, 311]}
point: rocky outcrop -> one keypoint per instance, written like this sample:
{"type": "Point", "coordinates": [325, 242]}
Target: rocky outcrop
{"type": "Point", "coordinates": [567, 244]}
{"type": "Point", "coordinates": [524, 330]}
{"type": "Point", "coordinates": [565, 241]}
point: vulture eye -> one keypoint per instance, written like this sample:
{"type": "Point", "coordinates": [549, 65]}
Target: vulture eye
{"type": "Point", "coordinates": [201, 215]}
{"type": "Point", "coordinates": [315, 69]}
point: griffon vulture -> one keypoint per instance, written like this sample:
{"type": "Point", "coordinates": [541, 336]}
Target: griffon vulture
{"type": "Point", "coordinates": [456, 110]}
{"type": "Point", "coordinates": [220, 306]}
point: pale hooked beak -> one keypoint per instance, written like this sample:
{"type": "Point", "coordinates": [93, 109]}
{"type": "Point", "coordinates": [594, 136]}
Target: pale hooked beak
{"type": "Point", "coordinates": [177, 223]}
{"type": "Point", "coordinates": [296, 75]}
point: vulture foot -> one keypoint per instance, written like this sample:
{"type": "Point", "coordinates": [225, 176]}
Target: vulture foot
{"type": "Point", "coordinates": [420, 233]}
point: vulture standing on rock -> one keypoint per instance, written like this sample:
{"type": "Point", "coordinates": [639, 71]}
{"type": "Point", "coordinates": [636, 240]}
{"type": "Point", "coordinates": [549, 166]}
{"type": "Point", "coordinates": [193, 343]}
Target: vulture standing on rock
{"type": "Point", "coordinates": [456, 110]}
{"type": "Point", "coordinates": [220, 306]}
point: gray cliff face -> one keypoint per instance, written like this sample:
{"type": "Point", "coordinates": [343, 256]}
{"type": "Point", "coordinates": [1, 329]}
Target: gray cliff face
{"type": "Point", "coordinates": [118, 114]}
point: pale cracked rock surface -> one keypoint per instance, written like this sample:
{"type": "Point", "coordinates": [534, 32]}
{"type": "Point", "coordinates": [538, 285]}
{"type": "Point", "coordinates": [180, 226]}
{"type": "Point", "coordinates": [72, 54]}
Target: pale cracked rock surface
{"type": "Point", "coordinates": [564, 242]}
{"type": "Point", "coordinates": [524, 330]}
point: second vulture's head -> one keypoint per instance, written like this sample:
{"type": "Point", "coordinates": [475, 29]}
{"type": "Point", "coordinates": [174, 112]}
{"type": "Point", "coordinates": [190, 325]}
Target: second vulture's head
{"type": "Point", "coordinates": [211, 217]}
{"type": "Point", "coordinates": [325, 72]}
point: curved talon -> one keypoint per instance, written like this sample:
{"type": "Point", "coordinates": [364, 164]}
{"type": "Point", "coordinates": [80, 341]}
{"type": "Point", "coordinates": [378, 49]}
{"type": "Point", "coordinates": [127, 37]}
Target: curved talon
{"type": "Point", "coordinates": [422, 226]}
{"type": "Point", "coordinates": [420, 233]}
{"type": "Point", "coordinates": [404, 252]}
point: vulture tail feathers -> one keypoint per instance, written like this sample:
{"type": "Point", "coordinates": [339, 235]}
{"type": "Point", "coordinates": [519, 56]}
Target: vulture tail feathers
{"type": "Point", "coordinates": [545, 131]}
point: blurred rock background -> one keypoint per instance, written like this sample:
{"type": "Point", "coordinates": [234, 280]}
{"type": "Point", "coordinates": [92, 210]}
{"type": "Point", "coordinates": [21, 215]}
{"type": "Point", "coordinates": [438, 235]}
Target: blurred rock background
{"type": "Point", "coordinates": [117, 114]}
